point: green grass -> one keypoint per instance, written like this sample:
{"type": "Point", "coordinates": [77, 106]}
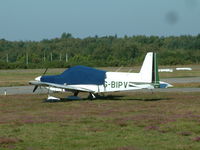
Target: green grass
{"type": "Point", "coordinates": [20, 77]}
{"type": "Point", "coordinates": [126, 121]}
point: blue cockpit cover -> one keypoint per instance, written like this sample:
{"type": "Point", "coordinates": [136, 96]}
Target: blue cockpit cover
{"type": "Point", "coordinates": [78, 75]}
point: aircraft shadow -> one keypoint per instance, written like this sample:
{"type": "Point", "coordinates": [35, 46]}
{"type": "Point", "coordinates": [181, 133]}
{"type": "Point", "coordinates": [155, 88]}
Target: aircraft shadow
{"type": "Point", "coordinates": [110, 97]}
{"type": "Point", "coordinates": [121, 98]}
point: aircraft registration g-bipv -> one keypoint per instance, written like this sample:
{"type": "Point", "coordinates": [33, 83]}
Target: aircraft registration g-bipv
{"type": "Point", "coordinates": [85, 79]}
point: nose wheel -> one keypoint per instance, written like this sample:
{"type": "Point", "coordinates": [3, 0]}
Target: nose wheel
{"type": "Point", "coordinates": [51, 98]}
{"type": "Point", "coordinates": [91, 96]}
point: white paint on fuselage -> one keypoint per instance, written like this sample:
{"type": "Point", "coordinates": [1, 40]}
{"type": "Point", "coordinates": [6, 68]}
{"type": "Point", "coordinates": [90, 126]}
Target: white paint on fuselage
{"type": "Point", "coordinates": [121, 81]}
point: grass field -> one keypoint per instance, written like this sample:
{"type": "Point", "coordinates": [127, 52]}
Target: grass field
{"type": "Point", "coordinates": [123, 121]}
{"type": "Point", "coordinates": [22, 76]}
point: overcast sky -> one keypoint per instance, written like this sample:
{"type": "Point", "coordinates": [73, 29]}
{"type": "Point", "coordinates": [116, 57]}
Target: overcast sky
{"type": "Point", "coordinates": [46, 19]}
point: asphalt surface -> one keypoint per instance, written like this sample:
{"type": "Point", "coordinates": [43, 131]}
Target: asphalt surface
{"type": "Point", "coordinates": [21, 90]}
{"type": "Point", "coordinates": [182, 80]}
{"type": "Point", "coordinates": [29, 89]}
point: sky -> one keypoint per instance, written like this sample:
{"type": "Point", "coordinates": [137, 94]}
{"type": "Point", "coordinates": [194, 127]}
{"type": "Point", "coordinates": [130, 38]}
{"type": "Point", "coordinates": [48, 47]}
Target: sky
{"type": "Point", "coordinates": [36, 20]}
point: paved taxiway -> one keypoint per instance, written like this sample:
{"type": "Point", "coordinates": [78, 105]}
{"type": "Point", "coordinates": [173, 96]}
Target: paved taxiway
{"type": "Point", "coordinates": [21, 90]}
{"type": "Point", "coordinates": [182, 80]}
{"type": "Point", "coordinates": [29, 89]}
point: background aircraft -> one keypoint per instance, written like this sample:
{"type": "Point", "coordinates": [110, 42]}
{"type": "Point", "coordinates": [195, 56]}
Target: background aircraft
{"type": "Point", "coordinates": [85, 79]}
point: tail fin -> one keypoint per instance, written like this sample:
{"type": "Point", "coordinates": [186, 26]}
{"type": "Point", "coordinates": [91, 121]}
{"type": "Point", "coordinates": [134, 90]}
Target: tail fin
{"type": "Point", "coordinates": [149, 70]}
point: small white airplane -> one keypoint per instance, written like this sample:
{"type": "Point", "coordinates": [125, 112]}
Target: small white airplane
{"type": "Point", "coordinates": [85, 79]}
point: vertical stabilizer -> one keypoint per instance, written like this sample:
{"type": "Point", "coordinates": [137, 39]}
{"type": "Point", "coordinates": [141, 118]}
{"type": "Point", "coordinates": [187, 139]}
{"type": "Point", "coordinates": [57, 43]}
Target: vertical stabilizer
{"type": "Point", "coordinates": [147, 67]}
{"type": "Point", "coordinates": [149, 70]}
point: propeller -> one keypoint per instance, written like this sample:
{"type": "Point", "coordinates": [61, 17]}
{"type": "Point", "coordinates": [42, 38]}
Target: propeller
{"type": "Point", "coordinates": [36, 86]}
{"type": "Point", "coordinates": [45, 72]}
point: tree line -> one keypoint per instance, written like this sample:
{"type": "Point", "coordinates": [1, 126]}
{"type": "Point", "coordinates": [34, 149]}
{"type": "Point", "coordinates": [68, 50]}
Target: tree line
{"type": "Point", "coordinates": [67, 51]}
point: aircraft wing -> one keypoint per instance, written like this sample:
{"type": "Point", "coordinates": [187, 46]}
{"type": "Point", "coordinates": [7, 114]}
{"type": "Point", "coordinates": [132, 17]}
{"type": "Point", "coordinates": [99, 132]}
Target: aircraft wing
{"type": "Point", "coordinates": [66, 87]}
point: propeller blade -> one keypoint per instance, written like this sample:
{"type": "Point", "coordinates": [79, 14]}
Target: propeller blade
{"type": "Point", "coordinates": [45, 72]}
{"type": "Point", "coordinates": [35, 88]}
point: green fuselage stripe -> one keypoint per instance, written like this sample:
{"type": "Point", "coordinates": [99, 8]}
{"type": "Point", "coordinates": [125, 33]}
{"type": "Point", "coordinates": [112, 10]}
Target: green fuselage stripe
{"type": "Point", "coordinates": [156, 69]}
{"type": "Point", "coordinates": [155, 75]}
